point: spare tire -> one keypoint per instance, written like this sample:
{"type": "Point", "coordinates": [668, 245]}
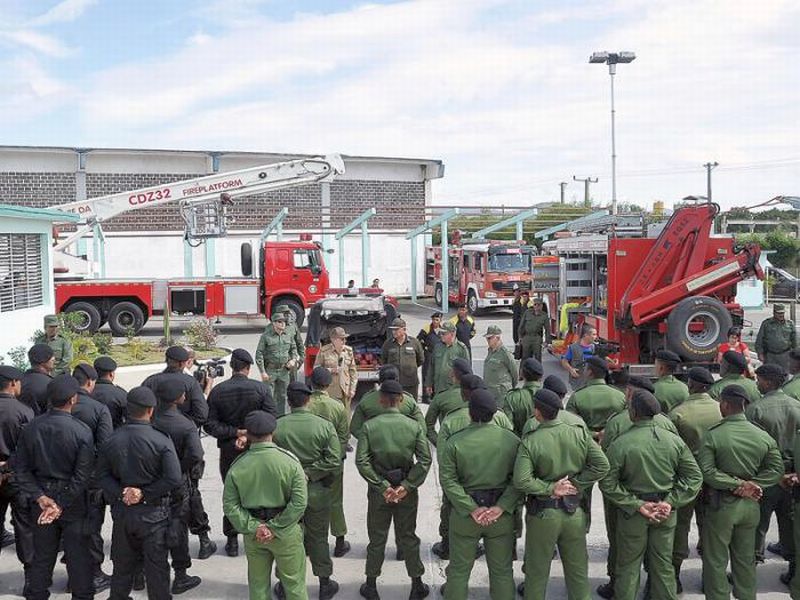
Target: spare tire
{"type": "Point", "coordinates": [696, 327]}
{"type": "Point", "coordinates": [247, 259]}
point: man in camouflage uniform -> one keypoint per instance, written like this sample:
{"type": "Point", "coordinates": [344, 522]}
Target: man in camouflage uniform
{"type": "Point", "coordinates": [534, 326]}
{"type": "Point", "coordinates": [293, 331]}
{"type": "Point", "coordinates": [62, 347]}
{"type": "Point", "coordinates": [339, 359]}
{"type": "Point", "coordinates": [438, 377]}
{"type": "Point", "coordinates": [276, 357]}
{"type": "Point", "coordinates": [406, 354]}
{"type": "Point", "coordinates": [776, 338]}
{"type": "Point", "coordinates": [499, 367]}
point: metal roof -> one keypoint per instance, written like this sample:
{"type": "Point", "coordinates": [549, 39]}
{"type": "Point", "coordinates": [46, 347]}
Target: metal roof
{"type": "Point", "coordinates": [38, 214]}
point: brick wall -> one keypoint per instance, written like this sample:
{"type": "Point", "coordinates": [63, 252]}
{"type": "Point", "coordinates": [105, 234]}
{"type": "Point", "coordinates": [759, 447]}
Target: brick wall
{"type": "Point", "coordinates": [399, 205]}
{"type": "Point", "coordinates": [38, 190]}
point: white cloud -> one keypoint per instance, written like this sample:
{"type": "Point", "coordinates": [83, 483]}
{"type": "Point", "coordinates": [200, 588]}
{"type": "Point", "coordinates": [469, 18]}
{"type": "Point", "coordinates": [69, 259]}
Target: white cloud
{"type": "Point", "coordinates": [33, 40]}
{"type": "Point", "coordinates": [64, 12]}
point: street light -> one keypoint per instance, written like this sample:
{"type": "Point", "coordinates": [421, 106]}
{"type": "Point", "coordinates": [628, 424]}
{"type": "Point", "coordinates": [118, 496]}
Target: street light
{"type": "Point", "coordinates": [612, 59]}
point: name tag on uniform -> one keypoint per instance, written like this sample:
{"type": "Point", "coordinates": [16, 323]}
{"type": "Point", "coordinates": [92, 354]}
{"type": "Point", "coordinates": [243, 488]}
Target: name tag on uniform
{"type": "Point", "coordinates": [409, 349]}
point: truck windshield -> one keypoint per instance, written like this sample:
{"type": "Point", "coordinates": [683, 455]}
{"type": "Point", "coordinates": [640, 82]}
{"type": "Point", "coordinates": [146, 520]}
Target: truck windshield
{"type": "Point", "coordinates": [510, 263]}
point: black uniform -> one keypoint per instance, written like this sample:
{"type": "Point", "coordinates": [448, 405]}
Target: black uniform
{"type": "Point", "coordinates": [183, 433]}
{"type": "Point", "coordinates": [518, 310]}
{"type": "Point", "coordinates": [137, 455]}
{"type": "Point", "coordinates": [228, 405]}
{"type": "Point", "coordinates": [34, 390]}
{"type": "Point", "coordinates": [54, 458]}
{"type": "Point", "coordinates": [115, 399]}
{"type": "Point", "coordinates": [429, 339]}
{"type": "Point", "coordinates": [14, 416]}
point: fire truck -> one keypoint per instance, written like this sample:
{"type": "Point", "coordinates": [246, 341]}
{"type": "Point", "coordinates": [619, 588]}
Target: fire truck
{"type": "Point", "coordinates": [286, 272]}
{"type": "Point", "coordinates": [675, 290]}
{"type": "Point", "coordinates": [482, 273]}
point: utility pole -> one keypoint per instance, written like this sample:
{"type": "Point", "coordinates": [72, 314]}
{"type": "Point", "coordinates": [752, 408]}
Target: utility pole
{"type": "Point", "coordinates": [709, 167]}
{"type": "Point", "coordinates": [586, 201]}
{"type": "Point", "coordinates": [562, 185]}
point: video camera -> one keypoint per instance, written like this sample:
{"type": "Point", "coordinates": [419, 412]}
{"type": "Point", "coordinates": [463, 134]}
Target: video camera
{"type": "Point", "coordinates": [213, 368]}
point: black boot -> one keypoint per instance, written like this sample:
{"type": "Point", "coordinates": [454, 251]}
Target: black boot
{"type": "Point", "coordinates": [184, 582]}
{"type": "Point", "coordinates": [606, 590]}
{"type": "Point", "coordinates": [207, 547]}
{"type": "Point", "coordinates": [26, 588]}
{"type": "Point", "coordinates": [7, 538]}
{"type": "Point", "coordinates": [369, 589]}
{"type": "Point", "coordinates": [521, 589]}
{"type": "Point", "coordinates": [101, 581]}
{"type": "Point", "coordinates": [400, 555]}
{"type": "Point", "coordinates": [341, 548]}
{"type": "Point", "coordinates": [678, 584]}
{"type": "Point", "coordinates": [138, 581]}
{"type": "Point", "coordinates": [327, 588]}
{"type": "Point", "coordinates": [232, 545]}
{"type": "Point", "coordinates": [278, 591]}
{"type": "Point", "coordinates": [419, 590]}
{"type": "Point", "coordinates": [786, 578]}
{"type": "Point", "coordinates": [441, 549]}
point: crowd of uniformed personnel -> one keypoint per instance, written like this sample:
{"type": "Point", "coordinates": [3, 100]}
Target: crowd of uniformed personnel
{"type": "Point", "coordinates": [719, 451]}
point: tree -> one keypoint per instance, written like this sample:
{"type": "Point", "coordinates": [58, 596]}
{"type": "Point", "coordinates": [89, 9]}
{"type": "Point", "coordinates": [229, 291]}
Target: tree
{"type": "Point", "coordinates": [786, 247]}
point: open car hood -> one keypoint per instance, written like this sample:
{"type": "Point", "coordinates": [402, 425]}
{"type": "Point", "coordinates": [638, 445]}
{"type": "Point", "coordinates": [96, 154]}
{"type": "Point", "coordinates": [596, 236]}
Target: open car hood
{"type": "Point", "coordinates": [361, 317]}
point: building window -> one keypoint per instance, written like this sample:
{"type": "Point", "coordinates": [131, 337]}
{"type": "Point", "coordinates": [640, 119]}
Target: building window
{"type": "Point", "coordinates": [21, 284]}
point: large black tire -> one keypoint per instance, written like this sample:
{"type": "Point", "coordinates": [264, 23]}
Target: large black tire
{"type": "Point", "coordinates": [472, 303]}
{"type": "Point", "coordinates": [247, 259]}
{"type": "Point", "coordinates": [437, 295]}
{"type": "Point", "coordinates": [700, 345]}
{"type": "Point", "coordinates": [90, 321]}
{"type": "Point", "coordinates": [297, 308]}
{"type": "Point", "coordinates": [124, 317]}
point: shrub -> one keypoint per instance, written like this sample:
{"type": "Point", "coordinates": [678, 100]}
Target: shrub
{"type": "Point", "coordinates": [138, 348]}
{"type": "Point", "coordinates": [18, 355]}
{"type": "Point", "coordinates": [103, 342]}
{"type": "Point", "coordinates": [83, 350]}
{"type": "Point", "coordinates": [201, 334]}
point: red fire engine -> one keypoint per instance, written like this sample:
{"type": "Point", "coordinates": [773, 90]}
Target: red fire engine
{"type": "Point", "coordinates": [482, 273]}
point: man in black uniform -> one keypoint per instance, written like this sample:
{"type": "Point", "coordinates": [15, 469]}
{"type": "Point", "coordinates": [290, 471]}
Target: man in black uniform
{"type": "Point", "coordinates": [35, 379]}
{"type": "Point", "coordinates": [168, 419]}
{"type": "Point", "coordinates": [196, 408]}
{"type": "Point", "coordinates": [55, 478]}
{"type": "Point", "coordinates": [228, 405]}
{"type": "Point", "coordinates": [428, 336]}
{"type": "Point", "coordinates": [14, 416]}
{"type": "Point", "coordinates": [138, 469]}
{"type": "Point", "coordinates": [105, 391]}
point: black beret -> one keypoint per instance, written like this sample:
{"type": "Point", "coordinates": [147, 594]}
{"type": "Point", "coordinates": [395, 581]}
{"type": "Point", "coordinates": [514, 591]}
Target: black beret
{"type": "Point", "coordinates": [177, 353]}
{"type": "Point", "coordinates": [735, 359]}
{"type": "Point", "coordinates": [170, 389]}
{"type": "Point", "coordinates": [473, 382]}
{"type": "Point", "coordinates": [105, 364]}
{"type": "Point", "coordinates": [771, 371]}
{"type": "Point", "coordinates": [321, 376]}
{"type": "Point", "coordinates": [531, 365]}
{"type": "Point", "coordinates": [10, 373]}
{"type": "Point", "coordinates": [391, 386]}
{"type": "Point", "coordinates": [555, 384]}
{"type": "Point", "coordinates": [61, 389]}
{"type": "Point", "coordinates": [242, 355]}
{"type": "Point", "coordinates": [142, 396]}
{"type": "Point", "coordinates": [734, 392]}
{"type": "Point", "coordinates": [387, 372]}
{"type": "Point", "coordinates": [299, 387]}
{"type": "Point", "coordinates": [462, 366]}
{"type": "Point", "coordinates": [644, 403]}
{"type": "Point", "coordinates": [260, 423]}
{"type": "Point", "coordinates": [87, 370]}
{"type": "Point", "coordinates": [597, 362]}
{"type": "Point", "coordinates": [547, 398]}
{"type": "Point", "coordinates": [642, 383]}
{"type": "Point", "coordinates": [40, 353]}
{"type": "Point", "coordinates": [701, 375]}
{"type": "Point", "coordinates": [483, 399]}
{"type": "Point", "coordinates": [668, 356]}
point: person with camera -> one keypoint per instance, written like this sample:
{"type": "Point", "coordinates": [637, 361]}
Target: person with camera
{"type": "Point", "coordinates": [205, 373]}
{"type": "Point", "coordinates": [276, 357]}
{"type": "Point", "coordinates": [229, 403]}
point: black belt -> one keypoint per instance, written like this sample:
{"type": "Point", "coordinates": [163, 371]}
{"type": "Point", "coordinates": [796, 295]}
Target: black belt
{"type": "Point", "coordinates": [265, 514]}
{"type": "Point", "coordinates": [652, 496]}
{"type": "Point", "coordinates": [535, 504]}
{"type": "Point", "coordinates": [486, 498]}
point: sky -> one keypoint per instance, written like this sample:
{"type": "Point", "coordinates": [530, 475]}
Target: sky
{"type": "Point", "coordinates": [500, 90]}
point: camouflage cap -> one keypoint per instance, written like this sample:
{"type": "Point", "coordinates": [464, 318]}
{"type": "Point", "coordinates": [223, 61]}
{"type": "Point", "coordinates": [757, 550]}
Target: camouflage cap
{"type": "Point", "coordinates": [447, 328]}
{"type": "Point", "coordinates": [51, 320]}
{"type": "Point", "coordinates": [492, 330]}
{"type": "Point", "coordinates": [338, 332]}
{"type": "Point", "coordinates": [778, 308]}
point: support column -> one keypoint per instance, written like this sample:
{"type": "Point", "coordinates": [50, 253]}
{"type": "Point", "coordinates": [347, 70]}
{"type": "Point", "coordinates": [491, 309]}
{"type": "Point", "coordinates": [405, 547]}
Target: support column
{"type": "Point", "coordinates": [211, 257]}
{"type": "Point", "coordinates": [414, 269]}
{"type": "Point", "coordinates": [188, 260]}
{"type": "Point", "coordinates": [445, 271]}
{"type": "Point", "coordinates": [365, 255]}
{"type": "Point", "coordinates": [341, 262]}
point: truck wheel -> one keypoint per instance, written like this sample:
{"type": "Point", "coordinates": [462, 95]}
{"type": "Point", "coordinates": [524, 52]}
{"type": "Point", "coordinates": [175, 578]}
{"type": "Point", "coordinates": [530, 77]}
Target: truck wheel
{"type": "Point", "coordinates": [297, 309]}
{"type": "Point", "coordinates": [437, 295]}
{"type": "Point", "coordinates": [124, 317]}
{"type": "Point", "coordinates": [246, 252]}
{"type": "Point", "coordinates": [696, 326]}
{"type": "Point", "coordinates": [472, 303]}
{"type": "Point", "coordinates": [90, 319]}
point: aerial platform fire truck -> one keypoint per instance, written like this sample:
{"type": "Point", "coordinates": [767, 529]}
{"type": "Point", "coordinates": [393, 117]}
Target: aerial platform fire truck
{"type": "Point", "coordinates": [482, 273]}
{"type": "Point", "coordinates": [286, 272]}
{"type": "Point", "coordinates": [675, 291]}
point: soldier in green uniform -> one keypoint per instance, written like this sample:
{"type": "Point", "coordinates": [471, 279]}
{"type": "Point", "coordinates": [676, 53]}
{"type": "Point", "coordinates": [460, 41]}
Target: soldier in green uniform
{"type": "Point", "coordinates": [776, 338]}
{"type": "Point", "coordinates": [62, 347]}
{"type": "Point", "coordinates": [792, 387]}
{"type": "Point", "coordinates": [293, 331]}
{"type": "Point", "coordinates": [480, 488]}
{"type": "Point", "coordinates": [393, 457]}
{"type": "Point", "coordinates": [332, 410]}
{"type": "Point", "coordinates": [533, 328]}
{"type": "Point", "coordinates": [670, 391]}
{"type": "Point", "coordinates": [518, 404]}
{"type": "Point", "coordinates": [448, 400]}
{"type": "Point", "coordinates": [692, 418]}
{"type": "Point", "coordinates": [370, 404]}
{"type": "Point", "coordinates": [597, 401]}
{"type": "Point", "coordinates": [556, 464]}
{"type": "Point", "coordinates": [794, 480]}
{"type": "Point", "coordinates": [732, 369]}
{"type": "Point", "coordinates": [438, 377]}
{"type": "Point", "coordinates": [652, 474]}
{"type": "Point", "coordinates": [313, 441]}
{"type": "Point", "coordinates": [406, 354]}
{"type": "Point", "coordinates": [499, 367]}
{"type": "Point", "coordinates": [738, 461]}
{"type": "Point", "coordinates": [559, 388]}
{"type": "Point", "coordinates": [779, 415]}
{"type": "Point", "coordinates": [276, 357]}
{"type": "Point", "coordinates": [265, 496]}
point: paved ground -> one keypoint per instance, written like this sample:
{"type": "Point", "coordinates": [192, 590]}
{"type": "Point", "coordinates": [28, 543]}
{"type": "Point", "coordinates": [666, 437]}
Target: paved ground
{"type": "Point", "coordinates": [226, 577]}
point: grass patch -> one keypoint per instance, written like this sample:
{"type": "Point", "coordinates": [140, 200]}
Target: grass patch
{"type": "Point", "coordinates": [126, 356]}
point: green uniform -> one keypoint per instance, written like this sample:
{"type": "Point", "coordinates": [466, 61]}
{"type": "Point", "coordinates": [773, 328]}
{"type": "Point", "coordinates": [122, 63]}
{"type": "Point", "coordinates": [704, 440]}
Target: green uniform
{"type": "Point", "coordinates": [62, 349]}
{"type": "Point", "coordinates": [793, 387]}
{"type": "Point", "coordinates": [408, 358]}
{"type": "Point", "coordinates": [442, 404]}
{"type": "Point", "coordinates": [472, 477]}
{"type": "Point", "coordinates": [749, 386]}
{"type": "Point", "coordinates": [775, 340]}
{"type": "Point", "coordinates": [370, 406]}
{"type": "Point", "coordinates": [268, 477]}
{"type": "Point", "coordinates": [567, 417]}
{"type": "Point", "coordinates": [648, 463]}
{"type": "Point", "coordinates": [552, 451]}
{"type": "Point", "coordinates": [500, 373]}
{"type": "Point", "coordinates": [313, 441]}
{"type": "Point", "coordinates": [778, 415]}
{"type": "Point", "coordinates": [273, 353]}
{"type": "Point", "coordinates": [392, 445]}
{"type": "Point", "coordinates": [734, 451]}
{"type": "Point", "coordinates": [518, 404]}
{"type": "Point", "coordinates": [334, 411]}
{"type": "Point", "coordinates": [692, 418]}
{"type": "Point", "coordinates": [438, 376]}
{"type": "Point", "coordinates": [532, 330]}
{"type": "Point", "coordinates": [595, 403]}
{"type": "Point", "coordinates": [670, 392]}
{"type": "Point", "coordinates": [795, 583]}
